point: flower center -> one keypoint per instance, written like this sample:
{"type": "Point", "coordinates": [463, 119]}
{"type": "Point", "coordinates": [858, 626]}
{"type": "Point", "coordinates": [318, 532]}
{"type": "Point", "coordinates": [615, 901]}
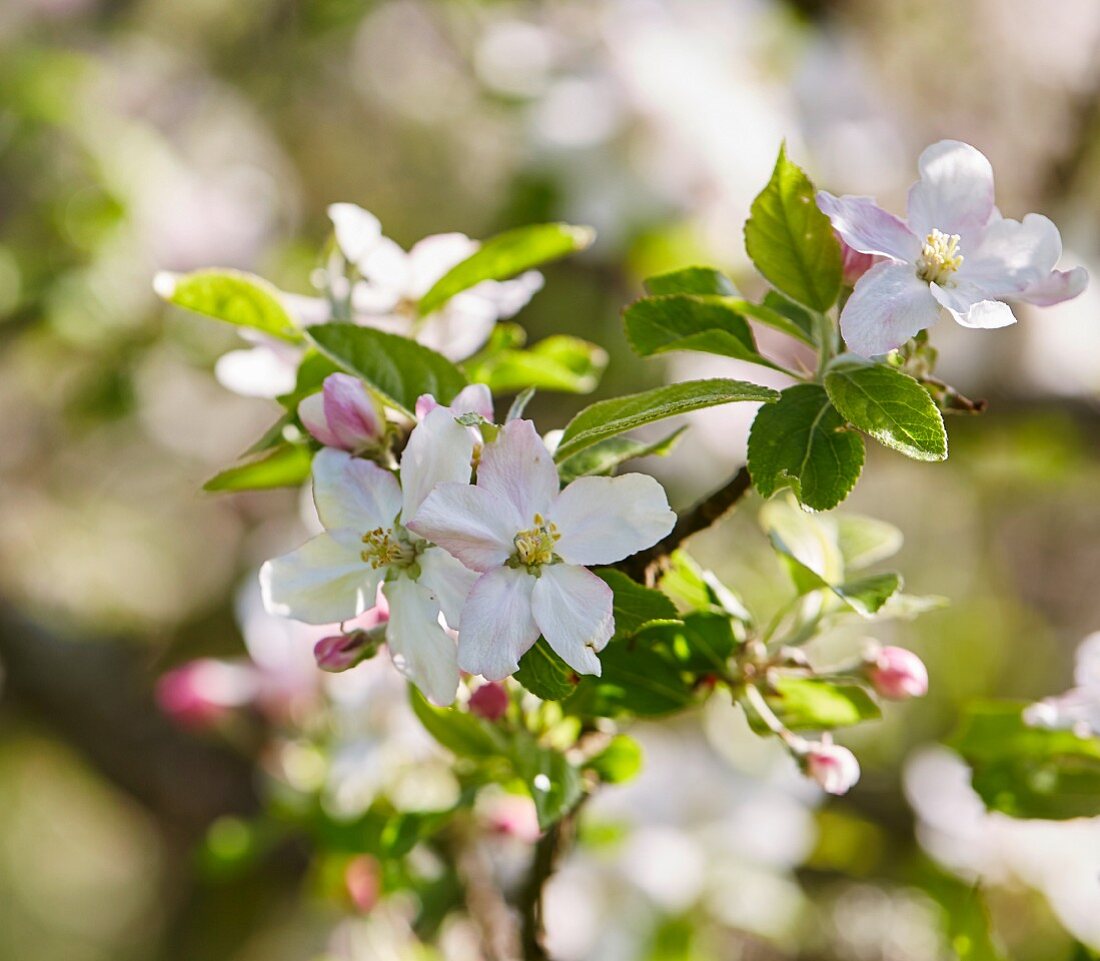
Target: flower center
{"type": "Point", "coordinates": [384, 549]}
{"type": "Point", "coordinates": [535, 546]}
{"type": "Point", "coordinates": [939, 257]}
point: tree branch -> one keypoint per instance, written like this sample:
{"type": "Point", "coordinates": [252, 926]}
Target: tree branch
{"type": "Point", "coordinates": [549, 850]}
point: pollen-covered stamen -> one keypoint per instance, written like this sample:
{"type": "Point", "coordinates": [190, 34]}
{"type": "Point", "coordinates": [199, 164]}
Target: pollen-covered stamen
{"type": "Point", "coordinates": [535, 546]}
{"type": "Point", "coordinates": [939, 257]}
{"type": "Point", "coordinates": [383, 549]}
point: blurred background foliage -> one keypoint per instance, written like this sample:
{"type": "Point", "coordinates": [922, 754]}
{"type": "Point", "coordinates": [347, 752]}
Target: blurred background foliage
{"type": "Point", "coordinates": [138, 135]}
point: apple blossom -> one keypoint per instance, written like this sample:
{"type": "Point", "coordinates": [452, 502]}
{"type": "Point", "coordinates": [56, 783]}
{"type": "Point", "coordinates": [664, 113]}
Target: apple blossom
{"type": "Point", "coordinates": [334, 576]}
{"type": "Point", "coordinates": [895, 673]}
{"type": "Point", "coordinates": [531, 544]}
{"type": "Point", "coordinates": [1078, 709]}
{"type": "Point", "coordinates": [202, 692]}
{"type": "Point", "coordinates": [832, 767]}
{"type": "Point", "coordinates": [343, 414]}
{"type": "Point", "coordinates": [956, 254]}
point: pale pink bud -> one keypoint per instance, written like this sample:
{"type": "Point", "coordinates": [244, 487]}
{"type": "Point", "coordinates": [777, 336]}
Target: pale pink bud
{"type": "Point", "coordinates": [489, 701]}
{"type": "Point", "coordinates": [513, 815]}
{"type": "Point", "coordinates": [363, 882]}
{"type": "Point", "coordinates": [854, 263]}
{"type": "Point", "coordinates": [341, 652]}
{"type": "Point", "coordinates": [201, 693]}
{"type": "Point", "coordinates": [343, 414]}
{"type": "Point", "coordinates": [833, 768]}
{"type": "Point", "coordinates": [895, 673]}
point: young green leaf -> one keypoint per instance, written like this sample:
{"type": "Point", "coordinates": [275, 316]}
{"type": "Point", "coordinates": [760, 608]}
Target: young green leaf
{"type": "Point", "coordinates": [864, 541]}
{"type": "Point", "coordinates": [607, 418]}
{"type": "Point", "coordinates": [545, 674]}
{"type": "Point", "coordinates": [604, 457]}
{"type": "Point", "coordinates": [286, 465]}
{"type": "Point", "coordinates": [801, 443]}
{"type": "Point", "coordinates": [461, 733]}
{"type": "Point", "coordinates": [507, 255]}
{"type": "Point", "coordinates": [560, 363]}
{"type": "Point", "coordinates": [634, 606]}
{"type": "Point", "coordinates": [620, 761]}
{"type": "Point", "coordinates": [553, 782]}
{"type": "Point", "coordinates": [889, 405]}
{"type": "Point", "coordinates": [791, 242]}
{"type": "Point", "coordinates": [691, 280]}
{"type": "Point", "coordinates": [868, 595]}
{"type": "Point", "coordinates": [812, 704]}
{"type": "Point", "coordinates": [232, 296]}
{"type": "Point", "coordinates": [399, 369]}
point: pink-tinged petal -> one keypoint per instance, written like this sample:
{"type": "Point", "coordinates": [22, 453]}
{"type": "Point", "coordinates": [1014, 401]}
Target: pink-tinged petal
{"type": "Point", "coordinates": [357, 230]}
{"type": "Point", "coordinates": [573, 609]}
{"type": "Point", "coordinates": [498, 627]}
{"type": "Point", "coordinates": [468, 523]}
{"type": "Point", "coordinates": [864, 226]}
{"type": "Point", "coordinates": [1056, 287]}
{"type": "Point", "coordinates": [474, 399]}
{"type": "Point", "coordinates": [972, 306]}
{"type": "Point", "coordinates": [1013, 255]}
{"type": "Point", "coordinates": [353, 493]}
{"type": "Point", "coordinates": [323, 582]}
{"type": "Point", "coordinates": [352, 412]}
{"type": "Point", "coordinates": [419, 647]}
{"type": "Point", "coordinates": [954, 193]}
{"type": "Point", "coordinates": [256, 372]}
{"type": "Point", "coordinates": [1086, 667]}
{"type": "Point", "coordinates": [889, 305]}
{"type": "Point", "coordinates": [311, 412]}
{"type": "Point", "coordinates": [854, 263]}
{"type": "Point", "coordinates": [604, 519]}
{"type": "Point", "coordinates": [517, 470]}
{"type": "Point", "coordinates": [449, 581]}
{"type": "Point", "coordinates": [432, 257]}
{"type": "Point", "coordinates": [439, 451]}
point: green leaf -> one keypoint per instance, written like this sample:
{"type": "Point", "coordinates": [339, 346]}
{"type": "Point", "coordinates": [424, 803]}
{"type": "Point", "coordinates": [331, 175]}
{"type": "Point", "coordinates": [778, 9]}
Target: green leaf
{"type": "Point", "coordinates": [566, 364]}
{"type": "Point", "coordinates": [889, 405]}
{"type": "Point", "coordinates": [507, 255]}
{"type": "Point", "coordinates": [312, 371]}
{"type": "Point", "coordinates": [868, 595]}
{"type": "Point", "coordinates": [811, 704]}
{"type": "Point", "coordinates": [554, 784]}
{"type": "Point", "coordinates": [604, 457]}
{"type": "Point", "coordinates": [705, 642]}
{"type": "Point", "coordinates": [699, 589]}
{"type": "Point", "coordinates": [801, 442]}
{"type": "Point", "coordinates": [634, 606]}
{"type": "Point", "coordinates": [232, 296]}
{"type": "Point", "coordinates": [1029, 772]}
{"type": "Point", "coordinates": [399, 369]}
{"type": "Point", "coordinates": [459, 732]}
{"type": "Point", "coordinates": [608, 418]}
{"type": "Point", "coordinates": [286, 465]}
{"type": "Point", "coordinates": [801, 318]}
{"type": "Point", "coordinates": [691, 280]}
{"type": "Point", "coordinates": [620, 761]}
{"type": "Point", "coordinates": [791, 242]}
{"type": "Point", "coordinates": [545, 674]}
{"type": "Point", "coordinates": [864, 541]}
{"type": "Point", "coordinates": [637, 679]}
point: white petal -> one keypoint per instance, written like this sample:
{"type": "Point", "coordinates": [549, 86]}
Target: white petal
{"type": "Point", "coordinates": [498, 627]}
{"type": "Point", "coordinates": [474, 399]}
{"type": "Point", "coordinates": [323, 582]}
{"type": "Point", "coordinates": [954, 193]}
{"type": "Point", "coordinates": [357, 230]}
{"type": "Point", "coordinates": [888, 306]}
{"type": "Point", "coordinates": [421, 650]}
{"type": "Point", "coordinates": [256, 372]}
{"type": "Point", "coordinates": [573, 609]}
{"type": "Point", "coordinates": [459, 328]}
{"type": "Point", "coordinates": [468, 523]}
{"type": "Point", "coordinates": [449, 580]}
{"type": "Point", "coordinates": [306, 311]}
{"type": "Point", "coordinates": [439, 450]}
{"type": "Point", "coordinates": [516, 469]}
{"type": "Point", "coordinates": [866, 227]}
{"type": "Point", "coordinates": [1086, 668]}
{"type": "Point", "coordinates": [971, 306]}
{"type": "Point", "coordinates": [353, 493]}
{"type": "Point", "coordinates": [1055, 287]}
{"type": "Point", "coordinates": [604, 519]}
{"type": "Point", "coordinates": [1013, 255]}
{"type": "Point", "coordinates": [433, 256]}
{"type": "Point", "coordinates": [388, 269]}
{"type": "Point", "coordinates": [509, 297]}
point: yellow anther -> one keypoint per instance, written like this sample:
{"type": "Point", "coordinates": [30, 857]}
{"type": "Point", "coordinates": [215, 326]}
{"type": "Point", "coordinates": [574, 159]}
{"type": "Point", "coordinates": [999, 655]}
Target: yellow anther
{"type": "Point", "coordinates": [535, 545]}
{"type": "Point", "coordinates": [939, 257]}
{"type": "Point", "coordinates": [381, 548]}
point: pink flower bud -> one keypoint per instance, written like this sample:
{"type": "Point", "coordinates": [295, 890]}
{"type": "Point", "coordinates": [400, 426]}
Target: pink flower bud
{"type": "Point", "coordinates": [363, 882]}
{"type": "Point", "coordinates": [489, 701]}
{"type": "Point", "coordinates": [854, 263]}
{"type": "Point", "coordinates": [201, 693]}
{"type": "Point", "coordinates": [341, 652]}
{"type": "Point", "coordinates": [512, 816]}
{"type": "Point", "coordinates": [343, 414]}
{"type": "Point", "coordinates": [895, 673]}
{"type": "Point", "coordinates": [833, 768]}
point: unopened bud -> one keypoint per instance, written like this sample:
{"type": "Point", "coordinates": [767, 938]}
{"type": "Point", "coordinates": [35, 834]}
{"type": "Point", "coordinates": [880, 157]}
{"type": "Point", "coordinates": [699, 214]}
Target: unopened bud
{"type": "Point", "coordinates": [341, 652]}
{"type": "Point", "coordinates": [854, 263]}
{"type": "Point", "coordinates": [363, 882]}
{"type": "Point", "coordinates": [895, 673]}
{"type": "Point", "coordinates": [489, 701]}
{"type": "Point", "coordinates": [343, 414]}
{"type": "Point", "coordinates": [833, 768]}
{"type": "Point", "coordinates": [201, 693]}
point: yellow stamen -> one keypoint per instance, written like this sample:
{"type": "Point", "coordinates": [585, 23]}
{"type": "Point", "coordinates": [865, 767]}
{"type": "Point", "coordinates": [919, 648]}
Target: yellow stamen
{"type": "Point", "coordinates": [382, 548]}
{"type": "Point", "coordinates": [939, 257]}
{"type": "Point", "coordinates": [535, 546]}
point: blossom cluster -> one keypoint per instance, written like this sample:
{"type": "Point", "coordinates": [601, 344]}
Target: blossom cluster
{"type": "Point", "coordinates": [470, 542]}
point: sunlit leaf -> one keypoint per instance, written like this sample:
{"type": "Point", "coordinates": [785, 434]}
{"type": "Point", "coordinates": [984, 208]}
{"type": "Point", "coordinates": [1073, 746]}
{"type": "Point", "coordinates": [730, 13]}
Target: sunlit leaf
{"type": "Point", "coordinates": [286, 465]}
{"type": "Point", "coordinates": [231, 296]}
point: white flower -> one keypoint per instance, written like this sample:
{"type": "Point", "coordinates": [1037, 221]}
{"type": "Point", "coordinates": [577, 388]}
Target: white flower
{"type": "Point", "coordinates": [335, 575]}
{"type": "Point", "coordinates": [956, 254]}
{"type": "Point", "coordinates": [531, 544]}
{"type": "Point", "coordinates": [833, 768]}
{"type": "Point", "coordinates": [1078, 709]}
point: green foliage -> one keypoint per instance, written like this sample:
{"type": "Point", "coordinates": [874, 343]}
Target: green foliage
{"type": "Point", "coordinates": [607, 455]}
{"type": "Point", "coordinates": [889, 405]}
{"type": "Point", "coordinates": [700, 590]}
{"type": "Point", "coordinates": [691, 280]}
{"type": "Point", "coordinates": [399, 369]}
{"type": "Point", "coordinates": [507, 255]}
{"type": "Point", "coordinates": [559, 363]}
{"type": "Point", "coordinates": [312, 371]}
{"type": "Point", "coordinates": [791, 242]}
{"type": "Point", "coordinates": [813, 704]}
{"type": "Point", "coordinates": [1029, 772]}
{"type": "Point", "coordinates": [285, 465]}
{"type": "Point", "coordinates": [552, 781]}
{"type": "Point", "coordinates": [461, 733]}
{"type": "Point", "coordinates": [545, 674]}
{"type": "Point", "coordinates": [608, 418]}
{"type": "Point", "coordinates": [619, 762]}
{"type": "Point", "coordinates": [232, 296]}
{"type": "Point", "coordinates": [801, 443]}
{"type": "Point", "coordinates": [864, 541]}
